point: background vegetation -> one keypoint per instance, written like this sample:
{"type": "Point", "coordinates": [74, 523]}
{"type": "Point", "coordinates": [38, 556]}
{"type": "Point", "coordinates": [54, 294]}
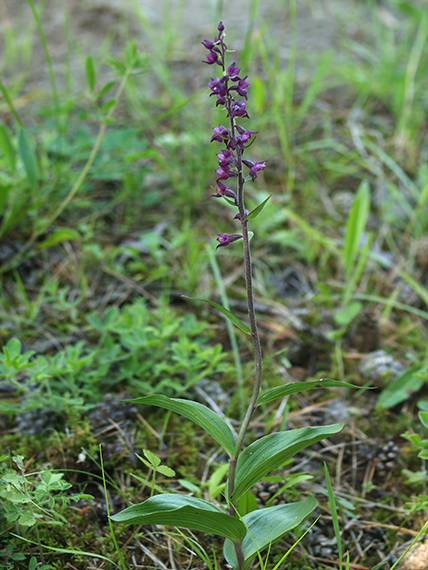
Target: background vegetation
{"type": "Point", "coordinates": [106, 221]}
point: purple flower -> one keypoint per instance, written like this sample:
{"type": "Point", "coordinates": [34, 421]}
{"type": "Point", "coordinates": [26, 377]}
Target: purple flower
{"type": "Point", "coordinates": [225, 172]}
{"type": "Point", "coordinates": [224, 191]}
{"type": "Point", "coordinates": [226, 239]}
{"type": "Point", "coordinates": [244, 136]}
{"type": "Point", "coordinates": [226, 157]}
{"type": "Point", "coordinates": [221, 134]}
{"type": "Point", "coordinates": [219, 89]}
{"type": "Point", "coordinates": [254, 170]}
{"type": "Point", "coordinates": [232, 72]}
{"type": "Point", "coordinates": [212, 57]}
{"type": "Point", "coordinates": [208, 44]}
{"type": "Point", "coordinates": [217, 86]}
{"type": "Point", "coordinates": [241, 87]}
{"type": "Point", "coordinates": [238, 109]}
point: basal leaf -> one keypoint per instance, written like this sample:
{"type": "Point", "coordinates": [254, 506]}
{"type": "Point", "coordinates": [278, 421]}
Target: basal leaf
{"type": "Point", "coordinates": [208, 420]}
{"type": "Point", "coordinates": [268, 525]}
{"type": "Point", "coordinates": [183, 511]}
{"type": "Point", "coordinates": [254, 213]}
{"type": "Point", "coordinates": [271, 451]}
{"type": "Point", "coordinates": [296, 387]}
{"type": "Point", "coordinates": [226, 313]}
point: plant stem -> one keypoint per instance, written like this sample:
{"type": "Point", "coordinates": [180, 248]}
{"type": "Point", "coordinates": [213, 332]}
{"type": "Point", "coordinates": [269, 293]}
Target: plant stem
{"type": "Point", "coordinates": [258, 358]}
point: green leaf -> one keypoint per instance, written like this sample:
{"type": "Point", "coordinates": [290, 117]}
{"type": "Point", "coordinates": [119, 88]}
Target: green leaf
{"type": "Point", "coordinates": [355, 225]}
{"type": "Point", "coordinates": [7, 149]}
{"type": "Point", "coordinates": [107, 106]}
{"type": "Point", "coordinates": [149, 484]}
{"type": "Point", "coordinates": [344, 316]}
{"type": "Point", "coordinates": [154, 459]}
{"type": "Point", "coordinates": [12, 350]}
{"type": "Point", "coordinates": [225, 312]}
{"type": "Point", "coordinates": [189, 486]}
{"type": "Point", "coordinates": [417, 287]}
{"type": "Point", "coordinates": [333, 511]}
{"type": "Point", "coordinates": [28, 159]}
{"type": "Point", "coordinates": [116, 66]}
{"type": "Point", "coordinates": [104, 90]}
{"type": "Point", "coordinates": [266, 526]}
{"type": "Point", "coordinates": [165, 470]}
{"type": "Point", "coordinates": [400, 389]}
{"type": "Point", "coordinates": [27, 519]}
{"type": "Point", "coordinates": [271, 451]}
{"type": "Point", "coordinates": [296, 387]}
{"type": "Point", "coordinates": [59, 236]}
{"type": "Point", "coordinates": [6, 213]}
{"type": "Point", "coordinates": [254, 213]}
{"type": "Point", "coordinates": [246, 504]}
{"type": "Point", "coordinates": [216, 481]}
{"type": "Point", "coordinates": [208, 420]}
{"type": "Point", "coordinates": [183, 511]}
{"type": "Point", "coordinates": [423, 417]}
{"type": "Point", "coordinates": [90, 73]}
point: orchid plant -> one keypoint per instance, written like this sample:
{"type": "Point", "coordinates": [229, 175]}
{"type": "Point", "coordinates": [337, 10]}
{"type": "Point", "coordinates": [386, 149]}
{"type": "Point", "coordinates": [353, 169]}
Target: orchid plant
{"type": "Point", "coordinates": [246, 534]}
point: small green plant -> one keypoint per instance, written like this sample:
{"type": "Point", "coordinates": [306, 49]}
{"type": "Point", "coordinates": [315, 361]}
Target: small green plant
{"type": "Point", "coordinates": [148, 352]}
{"type": "Point", "coordinates": [28, 498]}
{"type": "Point", "coordinates": [246, 531]}
{"type": "Point", "coordinates": [420, 445]}
{"type": "Point", "coordinates": [153, 463]}
{"type": "Point", "coordinates": [8, 560]}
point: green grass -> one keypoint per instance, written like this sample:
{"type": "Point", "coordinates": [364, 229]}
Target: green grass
{"type": "Point", "coordinates": [106, 218]}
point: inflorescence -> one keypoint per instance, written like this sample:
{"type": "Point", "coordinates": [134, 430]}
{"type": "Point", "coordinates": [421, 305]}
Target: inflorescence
{"type": "Point", "coordinates": [227, 90]}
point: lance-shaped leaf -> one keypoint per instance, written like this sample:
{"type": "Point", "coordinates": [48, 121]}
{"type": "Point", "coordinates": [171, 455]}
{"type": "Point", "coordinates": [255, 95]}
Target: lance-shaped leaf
{"type": "Point", "coordinates": [90, 73]}
{"type": "Point", "coordinates": [6, 147]}
{"type": "Point", "coordinates": [258, 209]}
{"type": "Point", "coordinates": [355, 225]}
{"type": "Point", "coordinates": [271, 451]}
{"type": "Point", "coordinates": [268, 525]}
{"type": "Point", "coordinates": [208, 420]}
{"type": "Point", "coordinates": [295, 387]}
{"type": "Point", "coordinates": [29, 160]}
{"type": "Point", "coordinates": [225, 312]}
{"type": "Point", "coordinates": [185, 512]}
{"type": "Point", "coordinates": [59, 236]}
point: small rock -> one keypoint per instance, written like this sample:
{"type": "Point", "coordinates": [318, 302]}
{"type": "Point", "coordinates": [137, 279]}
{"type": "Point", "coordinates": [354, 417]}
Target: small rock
{"type": "Point", "coordinates": [380, 365]}
{"type": "Point", "coordinates": [417, 558]}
